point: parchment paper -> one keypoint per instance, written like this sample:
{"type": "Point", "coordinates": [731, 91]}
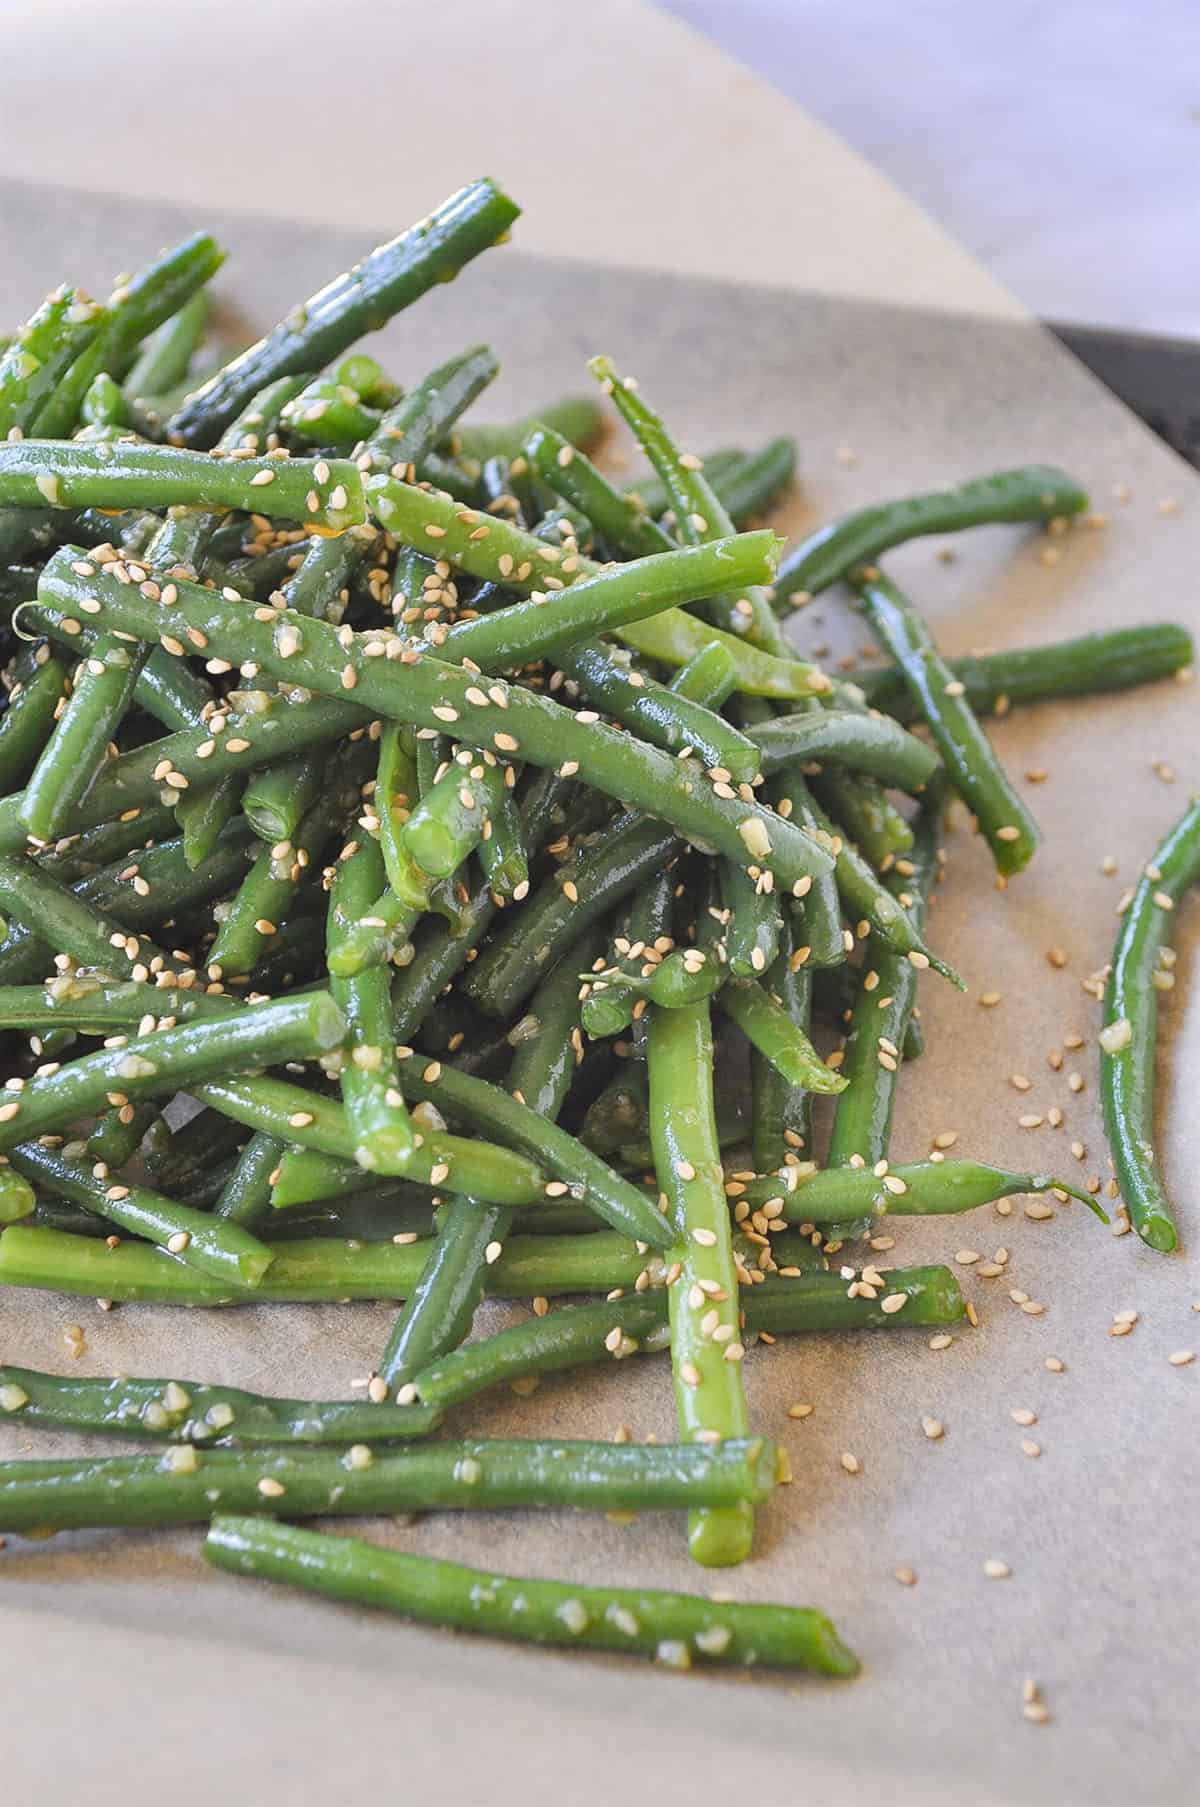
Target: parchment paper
{"type": "Point", "coordinates": [133, 1674]}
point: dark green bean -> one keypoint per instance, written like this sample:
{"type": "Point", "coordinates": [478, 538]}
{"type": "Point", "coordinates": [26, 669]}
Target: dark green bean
{"type": "Point", "coordinates": [363, 299]}
{"type": "Point", "coordinates": [1139, 971]}
{"type": "Point", "coordinates": [1034, 492]}
{"type": "Point", "coordinates": [1114, 660]}
{"type": "Point", "coordinates": [192, 1411]}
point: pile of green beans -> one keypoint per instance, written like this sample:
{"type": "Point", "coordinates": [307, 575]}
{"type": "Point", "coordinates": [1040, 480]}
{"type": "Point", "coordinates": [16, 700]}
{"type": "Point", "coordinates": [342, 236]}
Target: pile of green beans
{"type": "Point", "coordinates": [450, 826]}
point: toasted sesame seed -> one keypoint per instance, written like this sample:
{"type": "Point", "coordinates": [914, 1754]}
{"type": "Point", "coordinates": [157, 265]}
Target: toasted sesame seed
{"type": "Point", "coordinates": [906, 1577]}
{"type": "Point", "coordinates": [1022, 1415]}
{"type": "Point", "coordinates": [850, 1463]}
{"type": "Point", "coordinates": [934, 1429]}
{"type": "Point", "coordinates": [1030, 1448]}
{"type": "Point", "coordinates": [1182, 1358]}
{"type": "Point", "coordinates": [995, 1570]}
{"type": "Point", "coordinates": [893, 1302]}
{"type": "Point", "coordinates": [800, 1410]}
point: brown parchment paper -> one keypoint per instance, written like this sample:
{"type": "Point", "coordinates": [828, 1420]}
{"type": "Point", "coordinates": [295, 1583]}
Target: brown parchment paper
{"type": "Point", "coordinates": [132, 1674]}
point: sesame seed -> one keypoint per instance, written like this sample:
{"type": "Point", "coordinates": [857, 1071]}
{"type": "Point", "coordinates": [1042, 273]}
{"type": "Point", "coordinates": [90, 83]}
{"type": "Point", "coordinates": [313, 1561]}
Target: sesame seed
{"type": "Point", "coordinates": [800, 1410]}
{"type": "Point", "coordinates": [934, 1429]}
{"type": "Point", "coordinates": [1030, 1448]}
{"type": "Point", "coordinates": [850, 1463]}
{"type": "Point", "coordinates": [1182, 1358]}
{"type": "Point", "coordinates": [1022, 1415]}
{"type": "Point", "coordinates": [906, 1577]}
{"type": "Point", "coordinates": [941, 1341]}
{"type": "Point", "coordinates": [270, 1488]}
{"type": "Point", "coordinates": [995, 1570]}
{"type": "Point", "coordinates": [893, 1302]}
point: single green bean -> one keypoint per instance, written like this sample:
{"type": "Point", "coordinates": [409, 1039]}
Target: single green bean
{"type": "Point", "coordinates": [922, 1189]}
{"type": "Point", "coordinates": [191, 1411]}
{"type": "Point", "coordinates": [41, 353]}
{"type": "Point", "coordinates": [362, 300]}
{"type": "Point", "coordinates": [1034, 492]}
{"type": "Point", "coordinates": [36, 472]}
{"type": "Point", "coordinates": [771, 1030]}
{"type": "Point", "coordinates": [862, 743]}
{"type": "Point", "coordinates": [1113, 660]}
{"type": "Point", "coordinates": [673, 1628]}
{"type": "Point", "coordinates": [441, 1307]}
{"type": "Point", "coordinates": [706, 1350]}
{"type": "Point", "coordinates": [29, 717]}
{"type": "Point", "coordinates": [971, 764]}
{"type": "Point", "coordinates": [1139, 970]}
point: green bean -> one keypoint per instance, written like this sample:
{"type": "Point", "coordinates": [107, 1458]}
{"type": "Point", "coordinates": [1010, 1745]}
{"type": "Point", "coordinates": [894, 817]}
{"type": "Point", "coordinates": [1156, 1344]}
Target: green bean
{"type": "Point", "coordinates": [1034, 492]}
{"type": "Point", "coordinates": [439, 835]}
{"type": "Point", "coordinates": [246, 1196]}
{"type": "Point", "coordinates": [1113, 660]}
{"type": "Point", "coordinates": [174, 1059]}
{"type": "Point", "coordinates": [60, 921]}
{"type": "Point", "coordinates": [751, 487]}
{"type": "Point", "coordinates": [971, 765]}
{"type": "Point", "coordinates": [411, 429]}
{"type": "Point", "coordinates": [441, 1307]}
{"type": "Point", "coordinates": [599, 602]}
{"type": "Point", "coordinates": [622, 524]}
{"type": "Point", "coordinates": [102, 692]}
{"type": "Point", "coordinates": [649, 494]}
{"type": "Point", "coordinates": [819, 917]}
{"type": "Point", "coordinates": [862, 809]}
{"type": "Point", "coordinates": [706, 1351]}
{"type": "Point", "coordinates": [191, 1411]}
{"type": "Point", "coordinates": [167, 353]}
{"type": "Point", "coordinates": [34, 472]}
{"type": "Point", "coordinates": [104, 406]}
{"type": "Point", "coordinates": [476, 1475]}
{"type": "Point", "coordinates": [862, 743]}
{"type": "Point", "coordinates": [16, 1196]}
{"type": "Point", "coordinates": [698, 515]}
{"type": "Point", "coordinates": [319, 587]}
{"type": "Point", "coordinates": [82, 1001]}
{"type": "Point", "coordinates": [329, 413]}
{"type": "Point", "coordinates": [29, 717]}
{"type": "Point", "coordinates": [370, 1076]}
{"type": "Point", "coordinates": [266, 892]}
{"type": "Point", "coordinates": [277, 797]}
{"type": "Point", "coordinates": [363, 299]}
{"type": "Point", "coordinates": [922, 1189]}
{"type": "Point", "coordinates": [132, 313]}
{"type": "Point", "coordinates": [569, 902]}
{"type": "Point", "coordinates": [501, 851]}
{"type": "Point", "coordinates": [494, 1175]}
{"type": "Point", "coordinates": [547, 1043]}
{"type": "Point", "coordinates": [664, 717]}
{"type": "Point", "coordinates": [608, 995]}
{"type": "Point", "coordinates": [207, 1140]}
{"type": "Point", "coordinates": [753, 922]}
{"type": "Point", "coordinates": [780, 1111]}
{"type": "Point", "coordinates": [1140, 969]}
{"type": "Point", "coordinates": [212, 1244]}
{"type": "Point", "coordinates": [441, 953]}
{"type": "Point", "coordinates": [882, 1013]}
{"type": "Point", "coordinates": [673, 1628]}
{"type": "Point", "coordinates": [41, 353]}
{"type": "Point", "coordinates": [81, 856]}
{"type": "Point", "coordinates": [255, 428]}
{"type": "Point", "coordinates": [428, 692]}
{"type": "Point", "coordinates": [485, 1107]}
{"type": "Point", "coordinates": [119, 1133]}
{"type": "Point", "coordinates": [674, 637]}
{"type": "Point", "coordinates": [576, 1335]}
{"type": "Point", "coordinates": [769, 1028]}
{"type": "Point", "coordinates": [864, 897]}
{"type": "Point", "coordinates": [576, 418]}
